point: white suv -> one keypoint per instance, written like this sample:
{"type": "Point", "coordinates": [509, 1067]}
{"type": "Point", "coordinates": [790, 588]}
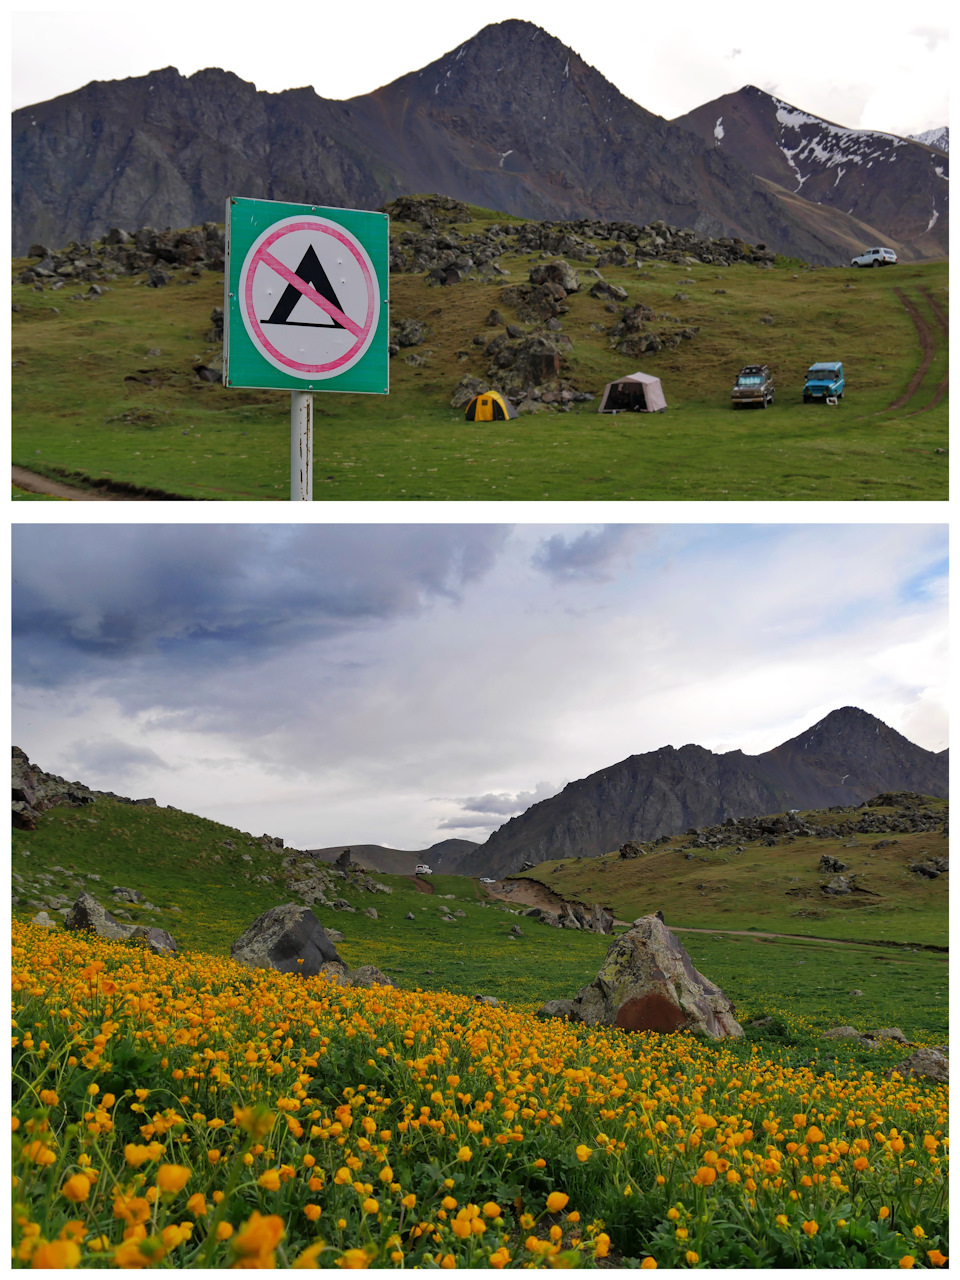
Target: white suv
{"type": "Point", "coordinates": [875, 258]}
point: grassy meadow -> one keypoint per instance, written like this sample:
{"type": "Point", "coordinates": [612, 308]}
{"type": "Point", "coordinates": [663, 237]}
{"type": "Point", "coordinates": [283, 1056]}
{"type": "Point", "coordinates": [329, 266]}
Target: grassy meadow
{"type": "Point", "coordinates": [92, 404]}
{"type": "Point", "coordinates": [187, 1112]}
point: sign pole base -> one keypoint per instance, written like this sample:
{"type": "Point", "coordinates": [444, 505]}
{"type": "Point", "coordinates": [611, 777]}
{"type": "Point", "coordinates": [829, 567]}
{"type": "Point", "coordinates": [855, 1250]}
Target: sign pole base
{"type": "Point", "coordinates": [301, 446]}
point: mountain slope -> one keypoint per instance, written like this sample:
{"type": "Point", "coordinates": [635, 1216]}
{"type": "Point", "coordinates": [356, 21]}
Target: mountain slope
{"type": "Point", "coordinates": [512, 119]}
{"type": "Point", "coordinates": [845, 758]}
{"type": "Point", "coordinates": [444, 856]}
{"type": "Point", "coordinates": [898, 185]}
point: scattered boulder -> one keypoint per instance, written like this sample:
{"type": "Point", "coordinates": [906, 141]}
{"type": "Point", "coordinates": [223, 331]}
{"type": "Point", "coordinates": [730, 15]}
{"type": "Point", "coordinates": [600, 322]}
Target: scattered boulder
{"type": "Point", "coordinates": [371, 912]}
{"type": "Point", "coordinates": [558, 272]}
{"type": "Point", "coordinates": [837, 886]}
{"type": "Point", "coordinates": [848, 1033]}
{"type": "Point", "coordinates": [632, 850]}
{"type": "Point", "coordinates": [517, 931]}
{"type": "Point", "coordinates": [282, 937]}
{"type": "Point", "coordinates": [492, 1001]}
{"type": "Point", "coordinates": [834, 865]}
{"type": "Point", "coordinates": [648, 983]}
{"type": "Point", "coordinates": [123, 894]}
{"type": "Point", "coordinates": [929, 1064]}
{"type": "Point", "coordinates": [88, 915]}
{"type": "Point", "coordinates": [556, 1009]}
{"type": "Point", "coordinates": [409, 916]}
{"type": "Point", "coordinates": [368, 975]}
{"type": "Point", "coordinates": [931, 868]}
{"type": "Point", "coordinates": [42, 919]}
{"type": "Point", "coordinates": [157, 940]}
{"type": "Point", "coordinates": [889, 1033]}
{"type": "Point", "coordinates": [334, 935]}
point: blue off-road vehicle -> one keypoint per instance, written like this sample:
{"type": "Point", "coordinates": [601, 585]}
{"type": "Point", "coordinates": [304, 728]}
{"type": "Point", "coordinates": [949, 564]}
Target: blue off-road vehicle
{"type": "Point", "coordinates": [824, 380]}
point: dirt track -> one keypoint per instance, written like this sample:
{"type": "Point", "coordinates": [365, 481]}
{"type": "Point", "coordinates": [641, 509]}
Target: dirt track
{"type": "Point", "coordinates": [32, 483]}
{"type": "Point", "coordinates": [424, 886]}
{"type": "Point", "coordinates": [530, 893]}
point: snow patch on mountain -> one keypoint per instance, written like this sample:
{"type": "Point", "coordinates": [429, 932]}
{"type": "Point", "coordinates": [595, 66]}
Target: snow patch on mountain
{"type": "Point", "coordinates": [939, 138]}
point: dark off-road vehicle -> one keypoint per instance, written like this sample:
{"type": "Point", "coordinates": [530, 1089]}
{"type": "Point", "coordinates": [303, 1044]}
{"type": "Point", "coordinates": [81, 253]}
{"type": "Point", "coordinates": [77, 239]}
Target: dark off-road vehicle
{"type": "Point", "coordinates": [753, 385]}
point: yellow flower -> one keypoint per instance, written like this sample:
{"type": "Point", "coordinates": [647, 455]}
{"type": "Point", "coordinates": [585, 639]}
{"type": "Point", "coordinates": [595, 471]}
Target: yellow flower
{"type": "Point", "coordinates": [491, 1210]}
{"type": "Point", "coordinates": [500, 1258]}
{"type": "Point", "coordinates": [58, 1254]}
{"type": "Point", "coordinates": [256, 1120]}
{"type": "Point", "coordinates": [172, 1177]}
{"type": "Point", "coordinates": [583, 1153]}
{"type": "Point", "coordinates": [309, 1256]}
{"type": "Point", "coordinates": [919, 1232]}
{"type": "Point", "coordinates": [386, 1174]}
{"type": "Point", "coordinates": [692, 1258]}
{"type": "Point", "coordinates": [256, 1240]}
{"type": "Point", "coordinates": [49, 1099]}
{"type": "Point", "coordinates": [197, 1205]}
{"type": "Point", "coordinates": [409, 1202]}
{"type": "Point", "coordinates": [269, 1180]}
{"type": "Point", "coordinates": [936, 1257]}
{"type": "Point", "coordinates": [907, 1261]}
{"type": "Point", "coordinates": [224, 1230]}
{"type": "Point", "coordinates": [648, 1264]}
{"type": "Point", "coordinates": [782, 1220]}
{"type": "Point", "coordinates": [370, 1205]}
{"type": "Point", "coordinates": [76, 1188]}
{"type": "Point", "coordinates": [464, 1154]}
{"type": "Point", "coordinates": [810, 1228]}
{"type": "Point", "coordinates": [355, 1259]}
{"type": "Point", "coordinates": [884, 1212]}
{"type": "Point", "coordinates": [556, 1203]}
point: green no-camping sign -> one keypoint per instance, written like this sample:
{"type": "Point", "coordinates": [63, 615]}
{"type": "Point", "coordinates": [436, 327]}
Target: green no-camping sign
{"type": "Point", "coordinates": [306, 294]}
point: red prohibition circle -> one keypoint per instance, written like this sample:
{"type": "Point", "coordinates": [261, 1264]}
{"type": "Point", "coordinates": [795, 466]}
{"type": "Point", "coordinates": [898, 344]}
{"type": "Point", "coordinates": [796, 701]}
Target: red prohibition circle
{"type": "Point", "coordinates": [263, 257]}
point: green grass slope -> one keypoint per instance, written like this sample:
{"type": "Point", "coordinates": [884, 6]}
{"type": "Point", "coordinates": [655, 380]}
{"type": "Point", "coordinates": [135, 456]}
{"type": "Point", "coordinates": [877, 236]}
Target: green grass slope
{"type": "Point", "coordinates": [91, 404]}
{"type": "Point", "coordinates": [206, 894]}
{"type": "Point", "coordinates": [773, 888]}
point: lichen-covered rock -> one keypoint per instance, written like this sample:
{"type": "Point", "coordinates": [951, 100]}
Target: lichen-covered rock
{"type": "Point", "coordinates": [648, 983]}
{"type": "Point", "coordinates": [282, 938]}
{"type": "Point", "coordinates": [929, 1063]}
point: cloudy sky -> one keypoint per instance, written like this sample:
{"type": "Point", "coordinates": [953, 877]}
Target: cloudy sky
{"type": "Point", "coordinates": [346, 684]}
{"type": "Point", "coordinates": [857, 64]}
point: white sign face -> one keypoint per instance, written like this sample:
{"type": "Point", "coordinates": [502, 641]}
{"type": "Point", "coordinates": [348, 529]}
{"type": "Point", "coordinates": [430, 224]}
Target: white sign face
{"type": "Point", "coordinates": [309, 297]}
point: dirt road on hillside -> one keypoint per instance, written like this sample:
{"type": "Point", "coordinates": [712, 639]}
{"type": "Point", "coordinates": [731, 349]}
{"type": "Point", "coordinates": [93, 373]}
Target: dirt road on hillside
{"type": "Point", "coordinates": [424, 886]}
{"type": "Point", "coordinates": [30, 482]}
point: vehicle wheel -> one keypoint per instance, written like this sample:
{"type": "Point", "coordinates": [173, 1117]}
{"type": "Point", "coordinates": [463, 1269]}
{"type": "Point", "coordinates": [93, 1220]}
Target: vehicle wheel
{"type": "Point", "coordinates": [763, 403]}
{"type": "Point", "coordinates": [877, 262]}
{"type": "Point", "coordinates": [839, 395]}
{"type": "Point", "coordinates": [806, 399]}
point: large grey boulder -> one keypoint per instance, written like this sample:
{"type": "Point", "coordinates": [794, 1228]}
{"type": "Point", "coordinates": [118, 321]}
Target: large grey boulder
{"type": "Point", "coordinates": [557, 272]}
{"type": "Point", "coordinates": [648, 983]}
{"type": "Point", "coordinates": [282, 937]}
{"type": "Point", "coordinates": [87, 914]}
{"type": "Point", "coordinates": [555, 1009]}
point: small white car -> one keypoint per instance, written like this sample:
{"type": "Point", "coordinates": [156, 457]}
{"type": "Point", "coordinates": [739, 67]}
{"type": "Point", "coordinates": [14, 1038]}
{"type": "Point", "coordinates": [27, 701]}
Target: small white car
{"type": "Point", "coordinates": [487, 880]}
{"type": "Point", "coordinates": [424, 870]}
{"type": "Point", "coordinates": [875, 258]}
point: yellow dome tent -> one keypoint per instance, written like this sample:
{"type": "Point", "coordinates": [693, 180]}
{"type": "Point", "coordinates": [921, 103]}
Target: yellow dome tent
{"type": "Point", "coordinates": [489, 406]}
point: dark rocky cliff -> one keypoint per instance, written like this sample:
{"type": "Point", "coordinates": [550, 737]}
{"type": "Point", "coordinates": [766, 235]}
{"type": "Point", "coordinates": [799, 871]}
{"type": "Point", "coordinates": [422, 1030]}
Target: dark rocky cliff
{"type": "Point", "coordinates": [512, 119]}
{"type": "Point", "coordinates": [846, 758]}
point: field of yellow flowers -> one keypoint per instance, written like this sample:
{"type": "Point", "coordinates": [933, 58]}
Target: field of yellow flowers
{"type": "Point", "coordinates": [187, 1112]}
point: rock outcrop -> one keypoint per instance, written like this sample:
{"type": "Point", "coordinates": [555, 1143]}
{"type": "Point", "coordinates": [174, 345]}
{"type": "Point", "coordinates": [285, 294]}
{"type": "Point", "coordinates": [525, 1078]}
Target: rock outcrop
{"type": "Point", "coordinates": [648, 983]}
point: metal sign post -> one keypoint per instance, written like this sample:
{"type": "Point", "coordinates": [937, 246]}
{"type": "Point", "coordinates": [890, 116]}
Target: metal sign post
{"type": "Point", "coordinates": [306, 298]}
{"type": "Point", "coordinates": [301, 446]}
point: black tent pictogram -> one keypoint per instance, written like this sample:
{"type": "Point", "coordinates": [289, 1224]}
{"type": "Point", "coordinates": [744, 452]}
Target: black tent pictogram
{"type": "Point", "coordinates": [311, 271]}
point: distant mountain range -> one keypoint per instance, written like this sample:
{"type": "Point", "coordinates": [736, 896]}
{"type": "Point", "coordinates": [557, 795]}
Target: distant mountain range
{"type": "Point", "coordinates": [847, 757]}
{"type": "Point", "coordinates": [444, 856]}
{"type": "Point", "coordinates": [512, 120]}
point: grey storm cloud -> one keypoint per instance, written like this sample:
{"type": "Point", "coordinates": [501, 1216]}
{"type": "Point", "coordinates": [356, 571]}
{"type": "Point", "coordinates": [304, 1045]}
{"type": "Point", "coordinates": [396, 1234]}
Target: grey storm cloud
{"type": "Point", "coordinates": [104, 761]}
{"type": "Point", "coordinates": [591, 554]}
{"type": "Point", "coordinates": [476, 811]}
{"type": "Point", "coordinates": [86, 596]}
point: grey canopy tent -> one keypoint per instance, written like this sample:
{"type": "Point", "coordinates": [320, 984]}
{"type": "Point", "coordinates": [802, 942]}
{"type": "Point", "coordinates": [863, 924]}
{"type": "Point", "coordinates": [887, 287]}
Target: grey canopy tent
{"type": "Point", "coordinates": [639, 392]}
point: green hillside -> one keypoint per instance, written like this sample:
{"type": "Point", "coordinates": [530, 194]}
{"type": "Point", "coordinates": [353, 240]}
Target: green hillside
{"type": "Point", "coordinates": [105, 390]}
{"type": "Point", "coordinates": [775, 887]}
{"type": "Point", "coordinates": [179, 861]}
